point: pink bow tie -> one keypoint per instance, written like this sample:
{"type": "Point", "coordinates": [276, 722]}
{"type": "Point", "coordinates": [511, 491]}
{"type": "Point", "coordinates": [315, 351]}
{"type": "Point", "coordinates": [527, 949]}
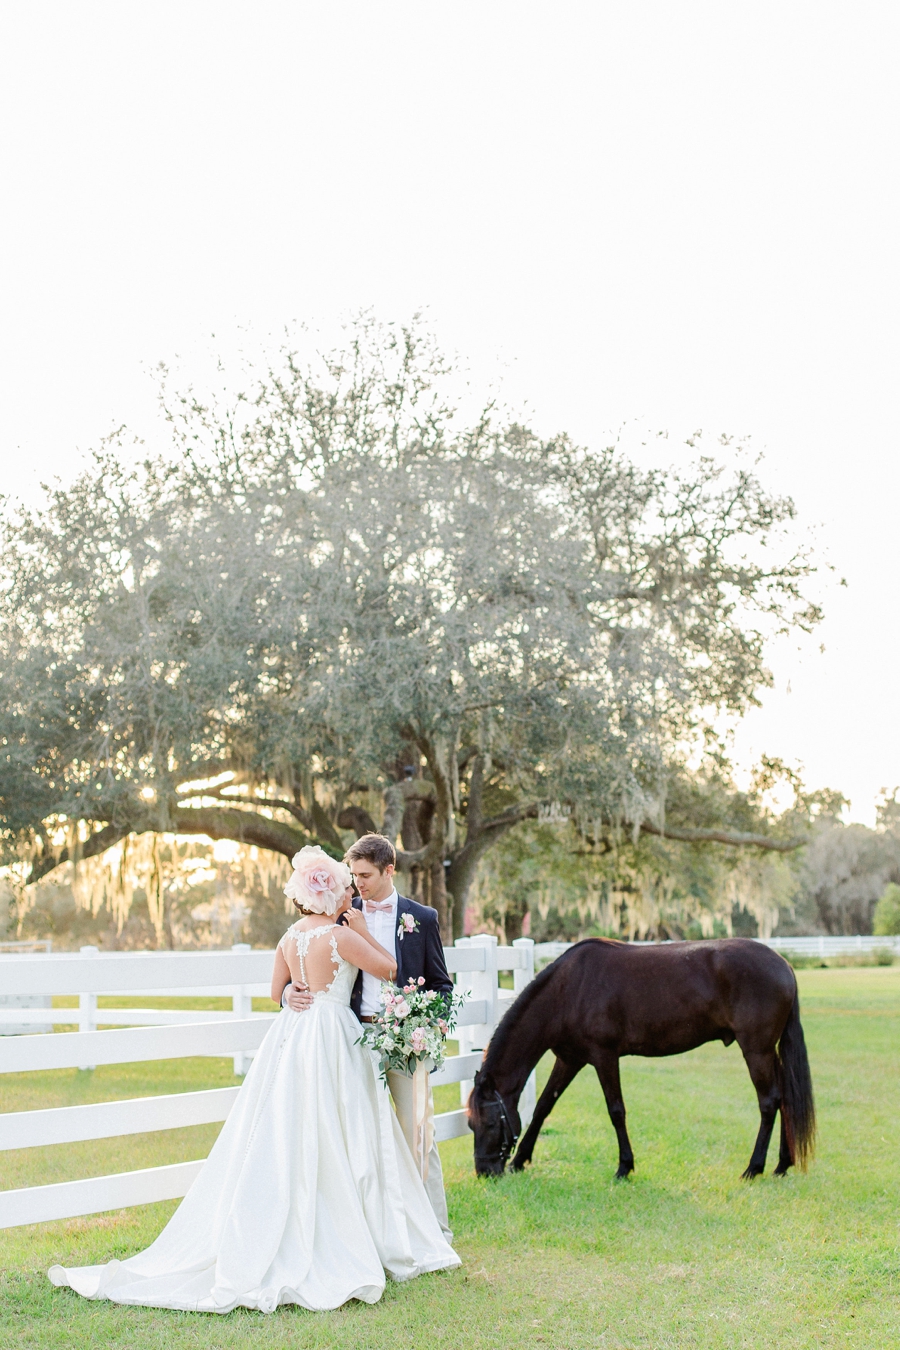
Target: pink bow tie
{"type": "Point", "coordinates": [373, 905]}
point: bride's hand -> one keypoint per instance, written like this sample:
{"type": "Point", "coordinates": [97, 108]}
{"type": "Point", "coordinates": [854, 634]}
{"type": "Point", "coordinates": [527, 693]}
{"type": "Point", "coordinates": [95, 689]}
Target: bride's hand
{"type": "Point", "coordinates": [355, 919]}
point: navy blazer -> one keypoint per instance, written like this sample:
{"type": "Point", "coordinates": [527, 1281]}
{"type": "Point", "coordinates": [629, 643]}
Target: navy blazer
{"type": "Point", "coordinates": [419, 954]}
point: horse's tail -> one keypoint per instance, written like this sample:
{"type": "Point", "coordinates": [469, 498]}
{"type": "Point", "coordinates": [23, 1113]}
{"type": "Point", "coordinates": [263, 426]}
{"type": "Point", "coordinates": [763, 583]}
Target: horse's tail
{"type": "Point", "coordinates": [798, 1109]}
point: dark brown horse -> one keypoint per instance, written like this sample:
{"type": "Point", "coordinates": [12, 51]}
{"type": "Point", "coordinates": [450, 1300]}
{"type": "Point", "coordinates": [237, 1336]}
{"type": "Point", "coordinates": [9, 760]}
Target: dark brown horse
{"type": "Point", "coordinates": [604, 999]}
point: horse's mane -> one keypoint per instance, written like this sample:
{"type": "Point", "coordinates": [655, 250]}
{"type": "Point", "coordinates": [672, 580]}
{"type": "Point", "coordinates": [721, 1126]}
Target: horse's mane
{"type": "Point", "coordinates": [505, 1027]}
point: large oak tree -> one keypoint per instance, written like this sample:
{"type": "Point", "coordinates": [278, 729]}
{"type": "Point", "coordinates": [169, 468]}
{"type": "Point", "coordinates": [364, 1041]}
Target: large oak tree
{"type": "Point", "coordinates": [332, 586]}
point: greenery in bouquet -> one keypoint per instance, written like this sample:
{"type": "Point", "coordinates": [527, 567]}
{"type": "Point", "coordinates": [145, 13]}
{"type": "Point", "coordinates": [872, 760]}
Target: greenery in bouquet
{"type": "Point", "coordinates": [413, 1026]}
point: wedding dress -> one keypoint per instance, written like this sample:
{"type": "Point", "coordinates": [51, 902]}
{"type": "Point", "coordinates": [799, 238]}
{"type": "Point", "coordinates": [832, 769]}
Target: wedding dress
{"type": "Point", "coordinates": [310, 1193]}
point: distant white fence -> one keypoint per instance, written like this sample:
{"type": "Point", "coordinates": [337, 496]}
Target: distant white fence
{"type": "Point", "coordinates": [833, 946]}
{"type": "Point", "coordinates": [798, 946]}
{"type": "Point", "coordinates": [28, 981]}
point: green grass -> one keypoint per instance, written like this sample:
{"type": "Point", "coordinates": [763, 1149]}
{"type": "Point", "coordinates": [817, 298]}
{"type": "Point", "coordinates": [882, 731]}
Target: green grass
{"type": "Point", "coordinates": [682, 1255]}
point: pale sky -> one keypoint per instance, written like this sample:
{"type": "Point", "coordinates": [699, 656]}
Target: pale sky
{"type": "Point", "coordinates": [665, 216]}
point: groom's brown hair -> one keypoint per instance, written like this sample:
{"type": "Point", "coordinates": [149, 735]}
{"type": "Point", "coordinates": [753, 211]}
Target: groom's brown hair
{"type": "Point", "coordinates": [375, 848]}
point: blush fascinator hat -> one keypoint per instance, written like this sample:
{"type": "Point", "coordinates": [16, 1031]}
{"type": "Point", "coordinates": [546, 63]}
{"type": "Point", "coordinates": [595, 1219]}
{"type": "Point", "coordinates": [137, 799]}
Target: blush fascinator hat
{"type": "Point", "coordinates": [318, 881]}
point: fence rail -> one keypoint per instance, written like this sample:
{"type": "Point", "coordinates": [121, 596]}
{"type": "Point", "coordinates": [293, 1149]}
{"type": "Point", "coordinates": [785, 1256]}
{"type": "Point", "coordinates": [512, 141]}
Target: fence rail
{"type": "Point", "coordinates": [833, 946]}
{"type": "Point", "coordinates": [159, 1034]}
{"type": "Point", "coordinates": [800, 946]}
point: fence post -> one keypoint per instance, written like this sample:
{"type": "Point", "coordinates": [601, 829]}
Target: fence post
{"type": "Point", "coordinates": [486, 985]}
{"type": "Point", "coordinates": [87, 1008]}
{"type": "Point", "coordinates": [463, 1034]}
{"type": "Point", "coordinates": [521, 977]}
{"type": "Point", "coordinates": [480, 984]}
{"type": "Point", "coordinates": [242, 1005]}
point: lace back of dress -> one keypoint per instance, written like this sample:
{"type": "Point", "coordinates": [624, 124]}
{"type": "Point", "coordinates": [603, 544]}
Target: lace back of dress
{"type": "Point", "coordinates": [302, 939]}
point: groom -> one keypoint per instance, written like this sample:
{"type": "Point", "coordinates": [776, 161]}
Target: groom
{"type": "Point", "coordinates": [411, 931]}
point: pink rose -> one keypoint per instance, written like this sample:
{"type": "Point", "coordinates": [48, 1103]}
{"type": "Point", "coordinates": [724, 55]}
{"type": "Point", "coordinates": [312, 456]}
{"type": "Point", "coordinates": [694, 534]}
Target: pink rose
{"type": "Point", "coordinates": [420, 980]}
{"type": "Point", "coordinates": [401, 1008]}
{"type": "Point", "coordinates": [318, 882]}
{"type": "Point", "coordinates": [418, 1040]}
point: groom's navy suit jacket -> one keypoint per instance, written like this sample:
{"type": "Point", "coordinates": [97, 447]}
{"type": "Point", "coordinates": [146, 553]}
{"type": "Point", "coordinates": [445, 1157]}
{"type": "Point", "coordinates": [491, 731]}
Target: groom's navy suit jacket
{"type": "Point", "coordinates": [420, 954]}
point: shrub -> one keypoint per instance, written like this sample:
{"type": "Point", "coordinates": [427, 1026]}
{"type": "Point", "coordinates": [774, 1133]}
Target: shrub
{"type": "Point", "coordinates": [886, 921]}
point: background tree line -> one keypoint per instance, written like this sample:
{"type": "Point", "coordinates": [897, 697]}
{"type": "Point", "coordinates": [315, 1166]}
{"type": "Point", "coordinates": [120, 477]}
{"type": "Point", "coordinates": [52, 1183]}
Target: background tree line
{"type": "Point", "coordinates": [844, 880]}
{"type": "Point", "coordinates": [541, 879]}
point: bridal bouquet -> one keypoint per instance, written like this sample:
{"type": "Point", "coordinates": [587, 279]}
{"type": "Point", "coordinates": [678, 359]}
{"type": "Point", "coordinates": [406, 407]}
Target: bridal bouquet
{"type": "Point", "coordinates": [413, 1027]}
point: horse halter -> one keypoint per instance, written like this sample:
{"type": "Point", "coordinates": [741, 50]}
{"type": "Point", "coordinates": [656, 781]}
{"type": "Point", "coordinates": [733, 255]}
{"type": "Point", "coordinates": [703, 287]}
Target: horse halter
{"type": "Point", "coordinates": [509, 1136]}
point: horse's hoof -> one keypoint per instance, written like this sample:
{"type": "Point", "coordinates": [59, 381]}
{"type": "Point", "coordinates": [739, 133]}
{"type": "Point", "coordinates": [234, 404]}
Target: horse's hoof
{"type": "Point", "coordinates": [781, 1171]}
{"type": "Point", "coordinates": [624, 1173]}
{"type": "Point", "coordinates": [751, 1173]}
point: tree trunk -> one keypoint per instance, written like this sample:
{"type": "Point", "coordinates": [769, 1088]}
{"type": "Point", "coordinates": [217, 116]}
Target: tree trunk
{"type": "Point", "coordinates": [464, 869]}
{"type": "Point", "coordinates": [514, 915]}
{"type": "Point", "coordinates": [439, 900]}
{"type": "Point", "coordinates": [458, 882]}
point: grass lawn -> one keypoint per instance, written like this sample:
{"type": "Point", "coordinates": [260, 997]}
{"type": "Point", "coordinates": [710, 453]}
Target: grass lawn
{"type": "Point", "coordinates": [681, 1255]}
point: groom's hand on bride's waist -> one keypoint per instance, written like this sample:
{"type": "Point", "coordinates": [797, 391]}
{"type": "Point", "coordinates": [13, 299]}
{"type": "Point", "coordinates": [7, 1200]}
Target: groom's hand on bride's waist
{"type": "Point", "coordinates": [296, 997]}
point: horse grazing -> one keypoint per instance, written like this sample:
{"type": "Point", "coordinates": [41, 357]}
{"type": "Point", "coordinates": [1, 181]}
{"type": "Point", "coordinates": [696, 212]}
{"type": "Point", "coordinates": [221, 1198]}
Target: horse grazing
{"type": "Point", "coordinates": [604, 999]}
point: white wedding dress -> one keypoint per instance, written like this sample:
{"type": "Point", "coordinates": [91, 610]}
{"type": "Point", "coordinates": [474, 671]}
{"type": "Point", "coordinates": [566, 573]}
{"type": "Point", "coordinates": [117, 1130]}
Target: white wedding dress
{"type": "Point", "coordinates": [310, 1193]}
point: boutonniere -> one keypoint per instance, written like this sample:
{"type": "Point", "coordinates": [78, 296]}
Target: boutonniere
{"type": "Point", "coordinates": [406, 925]}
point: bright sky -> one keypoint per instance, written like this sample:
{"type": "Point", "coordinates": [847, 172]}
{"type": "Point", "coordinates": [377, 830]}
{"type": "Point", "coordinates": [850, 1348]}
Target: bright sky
{"type": "Point", "coordinates": [665, 215]}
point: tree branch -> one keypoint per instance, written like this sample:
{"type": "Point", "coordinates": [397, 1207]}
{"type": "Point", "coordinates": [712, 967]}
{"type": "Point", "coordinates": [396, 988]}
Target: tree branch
{"type": "Point", "coordinates": [529, 811]}
{"type": "Point", "coordinates": [357, 819]}
{"type": "Point", "coordinates": [440, 755]}
{"type": "Point", "coordinates": [315, 821]}
{"type": "Point", "coordinates": [396, 796]}
{"type": "Point", "coordinates": [206, 768]}
{"type": "Point", "coordinates": [511, 816]}
{"type": "Point", "coordinates": [221, 794]}
{"type": "Point", "coordinates": [92, 847]}
{"type": "Point", "coordinates": [474, 812]}
{"type": "Point", "coordinates": [244, 827]}
{"type": "Point", "coordinates": [393, 810]}
{"type": "Point", "coordinates": [732, 837]}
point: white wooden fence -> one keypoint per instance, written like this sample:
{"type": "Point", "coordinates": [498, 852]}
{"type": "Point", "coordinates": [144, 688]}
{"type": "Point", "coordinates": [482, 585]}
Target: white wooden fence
{"type": "Point", "coordinates": [152, 1034]}
{"type": "Point", "coordinates": [850, 945]}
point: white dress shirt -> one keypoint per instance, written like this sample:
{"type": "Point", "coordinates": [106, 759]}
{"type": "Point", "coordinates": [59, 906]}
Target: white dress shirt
{"type": "Point", "coordinates": [382, 924]}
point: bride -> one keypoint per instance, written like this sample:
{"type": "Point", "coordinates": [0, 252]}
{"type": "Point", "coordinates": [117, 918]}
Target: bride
{"type": "Point", "coordinates": [310, 1193]}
